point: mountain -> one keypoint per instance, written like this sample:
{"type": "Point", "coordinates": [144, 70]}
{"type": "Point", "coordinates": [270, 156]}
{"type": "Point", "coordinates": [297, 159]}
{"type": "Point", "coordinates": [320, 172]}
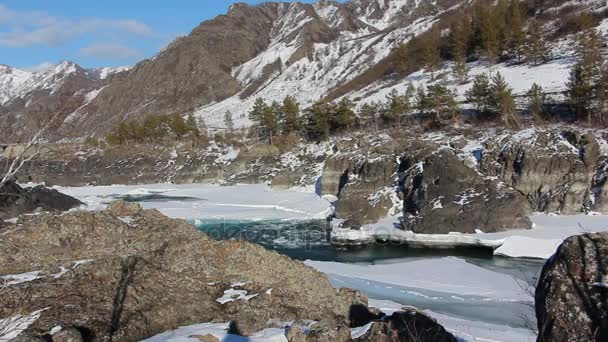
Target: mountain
{"type": "Point", "coordinates": [268, 50]}
{"type": "Point", "coordinates": [324, 50]}
{"type": "Point", "coordinates": [28, 100]}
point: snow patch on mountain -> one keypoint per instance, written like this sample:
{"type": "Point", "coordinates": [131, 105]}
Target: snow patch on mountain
{"type": "Point", "coordinates": [105, 72]}
{"type": "Point", "coordinates": [309, 78]}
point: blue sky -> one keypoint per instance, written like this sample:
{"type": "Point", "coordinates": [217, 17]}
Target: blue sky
{"type": "Point", "coordinates": [91, 33]}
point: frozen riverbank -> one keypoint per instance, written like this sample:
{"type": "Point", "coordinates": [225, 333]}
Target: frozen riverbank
{"type": "Point", "coordinates": [192, 201]}
{"type": "Point", "coordinates": [548, 232]}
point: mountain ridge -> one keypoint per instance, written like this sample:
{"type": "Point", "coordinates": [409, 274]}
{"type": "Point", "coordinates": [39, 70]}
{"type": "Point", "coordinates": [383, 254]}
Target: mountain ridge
{"type": "Point", "coordinates": [323, 50]}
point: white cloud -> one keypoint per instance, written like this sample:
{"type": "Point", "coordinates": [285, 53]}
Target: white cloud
{"type": "Point", "coordinates": [110, 51]}
{"type": "Point", "coordinates": [38, 28]}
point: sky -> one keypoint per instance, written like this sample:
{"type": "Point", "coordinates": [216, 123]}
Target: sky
{"type": "Point", "coordinates": [37, 33]}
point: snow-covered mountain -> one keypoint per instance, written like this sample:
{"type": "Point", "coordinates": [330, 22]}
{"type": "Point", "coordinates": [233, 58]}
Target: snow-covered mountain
{"type": "Point", "coordinates": [17, 83]}
{"type": "Point", "coordinates": [105, 72]}
{"type": "Point", "coordinates": [311, 51]}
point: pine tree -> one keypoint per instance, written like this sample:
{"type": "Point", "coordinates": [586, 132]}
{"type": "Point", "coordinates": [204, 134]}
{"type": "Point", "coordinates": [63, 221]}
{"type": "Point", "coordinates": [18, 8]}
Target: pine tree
{"type": "Point", "coordinates": [317, 121]}
{"type": "Point", "coordinates": [343, 115]}
{"type": "Point", "coordinates": [500, 18]}
{"type": "Point", "coordinates": [368, 113]}
{"type": "Point", "coordinates": [590, 53]}
{"type": "Point", "coordinates": [431, 56]}
{"type": "Point", "coordinates": [584, 86]}
{"type": "Point", "coordinates": [256, 113]}
{"type": "Point", "coordinates": [153, 128]}
{"type": "Point", "coordinates": [459, 42]}
{"type": "Point", "coordinates": [479, 93]}
{"type": "Point", "coordinates": [291, 108]}
{"type": "Point", "coordinates": [269, 123]}
{"type": "Point", "coordinates": [443, 102]}
{"type": "Point", "coordinates": [228, 122]}
{"type": "Point", "coordinates": [277, 111]}
{"type": "Point", "coordinates": [536, 101]}
{"type": "Point", "coordinates": [502, 100]}
{"type": "Point", "coordinates": [488, 34]}
{"type": "Point", "coordinates": [602, 93]}
{"type": "Point", "coordinates": [578, 91]}
{"type": "Point", "coordinates": [410, 92]}
{"type": "Point", "coordinates": [178, 126]}
{"type": "Point", "coordinates": [536, 50]}
{"type": "Point", "coordinates": [423, 102]}
{"type": "Point", "coordinates": [515, 26]}
{"type": "Point", "coordinates": [192, 127]}
{"type": "Point", "coordinates": [396, 107]}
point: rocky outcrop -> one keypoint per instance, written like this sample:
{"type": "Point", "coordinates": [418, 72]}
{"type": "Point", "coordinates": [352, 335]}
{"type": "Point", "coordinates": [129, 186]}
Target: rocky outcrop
{"type": "Point", "coordinates": [557, 170]}
{"type": "Point", "coordinates": [15, 200]}
{"type": "Point", "coordinates": [572, 292]}
{"type": "Point", "coordinates": [441, 195]}
{"type": "Point", "coordinates": [361, 174]}
{"type": "Point", "coordinates": [407, 325]}
{"type": "Point", "coordinates": [127, 273]}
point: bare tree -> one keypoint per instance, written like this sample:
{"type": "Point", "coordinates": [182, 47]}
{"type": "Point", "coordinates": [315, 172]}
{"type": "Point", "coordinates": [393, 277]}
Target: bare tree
{"type": "Point", "coordinates": [12, 167]}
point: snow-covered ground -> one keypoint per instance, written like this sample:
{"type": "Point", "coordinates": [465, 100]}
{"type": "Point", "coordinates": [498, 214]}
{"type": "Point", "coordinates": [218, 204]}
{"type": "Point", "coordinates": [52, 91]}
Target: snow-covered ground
{"type": "Point", "coordinates": [195, 201]}
{"type": "Point", "coordinates": [473, 331]}
{"type": "Point", "coordinates": [541, 242]}
{"type": "Point", "coordinates": [219, 331]}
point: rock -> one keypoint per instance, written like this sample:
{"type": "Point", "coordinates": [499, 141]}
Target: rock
{"type": "Point", "coordinates": [15, 200]}
{"type": "Point", "coordinates": [442, 195]}
{"type": "Point", "coordinates": [128, 282]}
{"type": "Point", "coordinates": [363, 184]}
{"type": "Point", "coordinates": [409, 325]}
{"type": "Point", "coordinates": [206, 338]}
{"type": "Point", "coordinates": [123, 208]}
{"type": "Point", "coordinates": [296, 334]}
{"type": "Point", "coordinates": [571, 293]}
{"type": "Point", "coordinates": [553, 169]}
{"type": "Point", "coordinates": [68, 335]}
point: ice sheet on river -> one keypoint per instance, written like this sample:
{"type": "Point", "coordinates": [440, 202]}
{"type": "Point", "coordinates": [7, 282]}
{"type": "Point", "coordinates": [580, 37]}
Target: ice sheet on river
{"type": "Point", "coordinates": [447, 275]}
{"type": "Point", "coordinates": [540, 242]}
{"type": "Point", "coordinates": [191, 201]}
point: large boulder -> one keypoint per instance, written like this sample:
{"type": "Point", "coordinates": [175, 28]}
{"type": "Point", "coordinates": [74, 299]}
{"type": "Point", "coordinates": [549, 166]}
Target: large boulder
{"type": "Point", "coordinates": [572, 292]}
{"type": "Point", "coordinates": [15, 200]}
{"type": "Point", "coordinates": [442, 194]}
{"type": "Point", "coordinates": [124, 278]}
{"type": "Point", "coordinates": [406, 325]}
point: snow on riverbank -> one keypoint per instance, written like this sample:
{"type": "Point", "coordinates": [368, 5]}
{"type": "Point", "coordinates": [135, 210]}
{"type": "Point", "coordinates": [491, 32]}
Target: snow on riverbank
{"type": "Point", "coordinates": [540, 242]}
{"type": "Point", "coordinates": [466, 330]}
{"type": "Point", "coordinates": [219, 331]}
{"type": "Point", "coordinates": [193, 201]}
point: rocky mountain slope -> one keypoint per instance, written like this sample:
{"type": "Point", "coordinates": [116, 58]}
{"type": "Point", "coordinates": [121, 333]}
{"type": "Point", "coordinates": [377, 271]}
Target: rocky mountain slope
{"type": "Point", "coordinates": [29, 100]}
{"type": "Point", "coordinates": [311, 51]}
{"type": "Point", "coordinates": [269, 50]}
